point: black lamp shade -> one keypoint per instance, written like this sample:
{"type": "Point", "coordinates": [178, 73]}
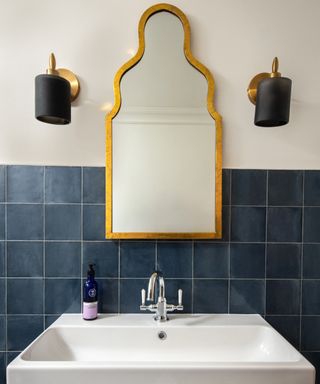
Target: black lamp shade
{"type": "Point", "coordinates": [273, 102]}
{"type": "Point", "coordinates": [53, 103]}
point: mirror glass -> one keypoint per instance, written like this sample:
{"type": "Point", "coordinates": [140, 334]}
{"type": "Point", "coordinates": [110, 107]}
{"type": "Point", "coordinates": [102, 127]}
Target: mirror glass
{"type": "Point", "coordinates": [163, 142]}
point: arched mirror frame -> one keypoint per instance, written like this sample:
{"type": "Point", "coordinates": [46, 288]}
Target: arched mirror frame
{"type": "Point", "coordinates": [211, 109]}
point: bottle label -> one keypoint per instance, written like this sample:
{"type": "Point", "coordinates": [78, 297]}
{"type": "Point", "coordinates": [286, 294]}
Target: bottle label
{"type": "Point", "coordinates": [90, 310]}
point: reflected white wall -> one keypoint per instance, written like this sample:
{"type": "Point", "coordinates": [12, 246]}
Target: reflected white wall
{"type": "Point", "coordinates": [163, 172]}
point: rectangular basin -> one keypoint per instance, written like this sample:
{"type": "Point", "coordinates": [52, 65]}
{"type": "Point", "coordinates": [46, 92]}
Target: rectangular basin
{"type": "Point", "coordinates": [215, 349]}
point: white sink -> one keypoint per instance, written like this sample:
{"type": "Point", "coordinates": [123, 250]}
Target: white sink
{"type": "Point", "coordinates": [202, 349]}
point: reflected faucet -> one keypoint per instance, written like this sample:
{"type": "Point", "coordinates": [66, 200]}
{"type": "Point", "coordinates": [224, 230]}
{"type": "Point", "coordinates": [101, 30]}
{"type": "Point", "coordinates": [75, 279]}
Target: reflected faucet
{"type": "Point", "coordinates": [161, 307]}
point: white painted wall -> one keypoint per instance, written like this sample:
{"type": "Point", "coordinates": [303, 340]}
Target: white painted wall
{"type": "Point", "coordinates": [234, 38]}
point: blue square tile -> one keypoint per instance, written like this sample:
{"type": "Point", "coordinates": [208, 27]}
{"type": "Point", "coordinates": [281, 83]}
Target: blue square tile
{"type": "Point", "coordinates": [2, 295]}
{"type": "Point", "coordinates": [2, 368]}
{"type": "Point", "coordinates": [311, 228]}
{"type": "Point", "coordinates": [226, 180]}
{"type": "Point", "coordinates": [25, 184]}
{"type": "Point", "coordinates": [2, 182]}
{"type": "Point", "coordinates": [63, 185]}
{"type": "Point", "coordinates": [312, 188]}
{"type": "Point", "coordinates": [310, 333]}
{"type": "Point", "coordinates": [93, 222]}
{"type": "Point", "coordinates": [247, 260]}
{"type": "Point", "coordinates": [50, 320]}
{"type": "Point", "coordinates": [2, 221]}
{"type": "Point", "coordinates": [137, 259]}
{"type": "Point", "coordinates": [210, 296]}
{"type": "Point", "coordinates": [108, 290]}
{"type": "Point", "coordinates": [2, 259]}
{"type": "Point", "coordinates": [285, 188]}
{"type": "Point", "coordinates": [248, 224]}
{"type": "Point", "coordinates": [225, 223]}
{"type": "Point", "coordinates": [25, 259]}
{"type": "Point", "coordinates": [283, 261]}
{"type": "Point", "coordinates": [22, 330]}
{"type": "Point", "coordinates": [247, 296]}
{"type": "Point", "coordinates": [211, 260]}
{"type": "Point", "coordinates": [311, 261]}
{"type": "Point", "coordinates": [283, 297]}
{"type": "Point", "coordinates": [175, 259]}
{"type": "Point", "coordinates": [63, 222]}
{"type": "Point", "coordinates": [2, 333]}
{"type": "Point", "coordinates": [25, 296]}
{"type": "Point", "coordinates": [11, 356]}
{"type": "Point", "coordinates": [94, 185]}
{"type": "Point", "coordinates": [130, 294]}
{"type": "Point", "coordinates": [62, 295]}
{"type": "Point", "coordinates": [311, 297]}
{"type": "Point", "coordinates": [284, 225]}
{"type": "Point", "coordinates": [172, 287]}
{"type": "Point", "coordinates": [249, 187]}
{"type": "Point", "coordinates": [288, 327]}
{"type": "Point", "coordinates": [63, 259]}
{"type": "Point", "coordinates": [105, 256]}
{"type": "Point", "coordinates": [25, 222]}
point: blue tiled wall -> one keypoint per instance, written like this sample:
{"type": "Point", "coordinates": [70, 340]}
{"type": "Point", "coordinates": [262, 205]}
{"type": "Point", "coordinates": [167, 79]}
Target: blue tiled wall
{"type": "Point", "coordinates": [52, 225]}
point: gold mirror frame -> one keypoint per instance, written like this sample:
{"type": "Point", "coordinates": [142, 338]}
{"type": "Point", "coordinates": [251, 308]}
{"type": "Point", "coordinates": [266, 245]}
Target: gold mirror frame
{"type": "Point", "coordinates": [211, 109]}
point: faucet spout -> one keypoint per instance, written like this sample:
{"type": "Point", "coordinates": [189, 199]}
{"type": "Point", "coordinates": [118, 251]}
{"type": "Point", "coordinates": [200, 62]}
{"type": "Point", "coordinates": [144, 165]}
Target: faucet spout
{"type": "Point", "coordinates": [152, 284]}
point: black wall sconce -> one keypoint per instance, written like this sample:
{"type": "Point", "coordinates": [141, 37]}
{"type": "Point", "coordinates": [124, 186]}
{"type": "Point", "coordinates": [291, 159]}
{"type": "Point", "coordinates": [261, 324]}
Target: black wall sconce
{"type": "Point", "coordinates": [54, 93]}
{"type": "Point", "coordinates": [271, 94]}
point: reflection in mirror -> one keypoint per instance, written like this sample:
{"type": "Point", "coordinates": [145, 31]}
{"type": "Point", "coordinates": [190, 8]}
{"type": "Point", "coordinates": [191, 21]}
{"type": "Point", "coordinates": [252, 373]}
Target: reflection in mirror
{"type": "Point", "coordinates": [164, 142]}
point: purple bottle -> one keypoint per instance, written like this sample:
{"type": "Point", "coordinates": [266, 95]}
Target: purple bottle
{"type": "Point", "coordinates": [90, 296]}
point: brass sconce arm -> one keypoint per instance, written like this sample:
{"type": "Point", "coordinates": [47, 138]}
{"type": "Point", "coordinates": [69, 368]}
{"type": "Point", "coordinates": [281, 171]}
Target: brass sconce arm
{"type": "Point", "coordinates": [253, 85]}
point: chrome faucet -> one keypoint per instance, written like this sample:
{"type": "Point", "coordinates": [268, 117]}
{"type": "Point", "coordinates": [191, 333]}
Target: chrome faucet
{"type": "Point", "coordinates": [161, 307]}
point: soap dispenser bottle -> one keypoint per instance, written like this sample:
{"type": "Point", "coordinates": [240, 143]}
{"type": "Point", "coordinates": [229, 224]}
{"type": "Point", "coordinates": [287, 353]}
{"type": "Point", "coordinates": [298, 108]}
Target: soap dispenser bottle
{"type": "Point", "coordinates": [90, 296]}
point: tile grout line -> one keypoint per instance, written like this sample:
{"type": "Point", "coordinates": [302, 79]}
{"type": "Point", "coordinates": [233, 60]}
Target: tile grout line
{"type": "Point", "coordinates": [266, 244]}
{"type": "Point", "coordinates": [301, 260]}
{"type": "Point", "coordinates": [235, 205]}
{"type": "Point", "coordinates": [6, 261]}
{"type": "Point", "coordinates": [51, 203]}
{"type": "Point", "coordinates": [192, 277]}
{"type": "Point", "coordinates": [58, 314]}
{"type": "Point", "coordinates": [44, 248]}
{"type": "Point", "coordinates": [81, 237]}
{"type": "Point", "coordinates": [156, 256]}
{"type": "Point", "coordinates": [147, 277]}
{"type": "Point", "coordinates": [108, 313]}
{"type": "Point", "coordinates": [155, 260]}
{"type": "Point", "coordinates": [119, 275]}
{"type": "Point", "coordinates": [167, 241]}
{"type": "Point", "coordinates": [229, 243]}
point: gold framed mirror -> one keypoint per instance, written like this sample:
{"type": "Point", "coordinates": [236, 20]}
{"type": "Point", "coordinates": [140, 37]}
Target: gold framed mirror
{"type": "Point", "coordinates": [163, 138]}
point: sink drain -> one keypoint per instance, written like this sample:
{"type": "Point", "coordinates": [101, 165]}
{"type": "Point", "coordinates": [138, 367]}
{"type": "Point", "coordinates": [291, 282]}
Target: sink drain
{"type": "Point", "coordinates": [162, 335]}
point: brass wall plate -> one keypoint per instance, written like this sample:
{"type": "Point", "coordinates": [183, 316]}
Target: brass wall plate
{"type": "Point", "coordinates": [253, 86]}
{"type": "Point", "coordinates": [73, 80]}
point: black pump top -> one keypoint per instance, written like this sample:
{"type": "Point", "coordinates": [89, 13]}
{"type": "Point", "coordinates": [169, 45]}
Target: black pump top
{"type": "Point", "coordinates": [91, 271]}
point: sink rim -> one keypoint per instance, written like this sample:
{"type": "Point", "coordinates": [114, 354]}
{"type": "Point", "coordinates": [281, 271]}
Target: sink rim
{"type": "Point", "coordinates": [146, 320]}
